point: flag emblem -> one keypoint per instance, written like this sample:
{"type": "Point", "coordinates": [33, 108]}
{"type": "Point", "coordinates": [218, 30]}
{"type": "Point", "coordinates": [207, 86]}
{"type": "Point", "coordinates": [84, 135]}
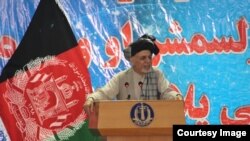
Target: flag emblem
{"type": "Point", "coordinates": [41, 99]}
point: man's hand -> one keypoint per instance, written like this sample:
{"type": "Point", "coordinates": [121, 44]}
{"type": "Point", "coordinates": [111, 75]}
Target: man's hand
{"type": "Point", "coordinates": [89, 105]}
{"type": "Point", "coordinates": [178, 97]}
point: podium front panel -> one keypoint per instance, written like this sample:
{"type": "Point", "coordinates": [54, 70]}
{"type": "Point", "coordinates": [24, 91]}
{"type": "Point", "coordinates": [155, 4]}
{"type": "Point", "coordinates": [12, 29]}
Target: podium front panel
{"type": "Point", "coordinates": [111, 118]}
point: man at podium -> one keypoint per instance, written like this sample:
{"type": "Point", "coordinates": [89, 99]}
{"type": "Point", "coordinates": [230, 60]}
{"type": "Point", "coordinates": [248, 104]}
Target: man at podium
{"type": "Point", "coordinates": [140, 82]}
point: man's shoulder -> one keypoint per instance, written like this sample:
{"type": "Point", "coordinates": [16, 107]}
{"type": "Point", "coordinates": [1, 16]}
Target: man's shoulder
{"type": "Point", "coordinates": [124, 72]}
{"type": "Point", "coordinates": [156, 70]}
{"type": "Point", "coordinates": [123, 75]}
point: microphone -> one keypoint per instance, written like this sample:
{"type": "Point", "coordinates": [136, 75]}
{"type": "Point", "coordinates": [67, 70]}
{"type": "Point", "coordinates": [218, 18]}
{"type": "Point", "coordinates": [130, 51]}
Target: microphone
{"type": "Point", "coordinates": [126, 86]}
{"type": "Point", "coordinates": [140, 84]}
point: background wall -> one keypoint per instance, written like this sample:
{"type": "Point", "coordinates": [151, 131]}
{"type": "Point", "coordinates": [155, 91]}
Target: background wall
{"type": "Point", "coordinates": [203, 45]}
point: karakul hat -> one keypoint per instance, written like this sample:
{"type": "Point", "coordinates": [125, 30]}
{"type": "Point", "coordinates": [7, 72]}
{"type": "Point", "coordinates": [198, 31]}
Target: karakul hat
{"type": "Point", "coordinates": [145, 42]}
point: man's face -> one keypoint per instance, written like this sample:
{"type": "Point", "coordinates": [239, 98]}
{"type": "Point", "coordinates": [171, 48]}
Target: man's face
{"type": "Point", "coordinates": [142, 61]}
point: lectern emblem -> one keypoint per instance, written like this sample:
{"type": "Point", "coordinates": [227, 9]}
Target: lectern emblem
{"type": "Point", "coordinates": [142, 114]}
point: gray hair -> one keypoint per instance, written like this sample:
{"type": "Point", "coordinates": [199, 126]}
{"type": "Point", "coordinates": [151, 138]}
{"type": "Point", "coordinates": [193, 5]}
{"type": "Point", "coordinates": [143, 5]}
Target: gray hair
{"type": "Point", "coordinates": [127, 53]}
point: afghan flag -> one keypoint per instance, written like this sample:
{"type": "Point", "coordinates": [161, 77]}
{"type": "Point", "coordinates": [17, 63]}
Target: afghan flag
{"type": "Point", "coordinates": [44, 84]}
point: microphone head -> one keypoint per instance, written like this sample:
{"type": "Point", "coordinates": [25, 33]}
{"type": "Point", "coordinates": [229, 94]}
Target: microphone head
{"type": "Point", "coordinates": [126, 84]}
{"type": "Point", "coordinates": [140, 83]}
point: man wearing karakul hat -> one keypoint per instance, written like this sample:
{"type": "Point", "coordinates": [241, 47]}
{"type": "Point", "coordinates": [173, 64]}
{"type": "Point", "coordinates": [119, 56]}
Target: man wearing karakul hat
{"type": "Point", "coordinates": [140, 82]}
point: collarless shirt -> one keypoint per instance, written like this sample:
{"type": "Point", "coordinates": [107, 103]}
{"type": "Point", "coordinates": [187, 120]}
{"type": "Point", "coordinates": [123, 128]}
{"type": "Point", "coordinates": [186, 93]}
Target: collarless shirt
{"type": "Point", "coordinates": [124, 86]}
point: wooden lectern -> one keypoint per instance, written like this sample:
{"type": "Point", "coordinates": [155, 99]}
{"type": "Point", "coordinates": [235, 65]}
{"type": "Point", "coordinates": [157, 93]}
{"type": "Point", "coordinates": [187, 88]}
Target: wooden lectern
{"type": "Point", "coordinates": [118, 120]}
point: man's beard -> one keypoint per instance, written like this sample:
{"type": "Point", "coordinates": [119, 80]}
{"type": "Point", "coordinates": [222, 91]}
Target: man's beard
{"type": "Point", "coordinates": [146, 70]}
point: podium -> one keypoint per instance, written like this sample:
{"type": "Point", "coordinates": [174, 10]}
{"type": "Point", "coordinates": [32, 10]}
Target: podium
{"type": "Point", "coordinates": [136, 120]}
